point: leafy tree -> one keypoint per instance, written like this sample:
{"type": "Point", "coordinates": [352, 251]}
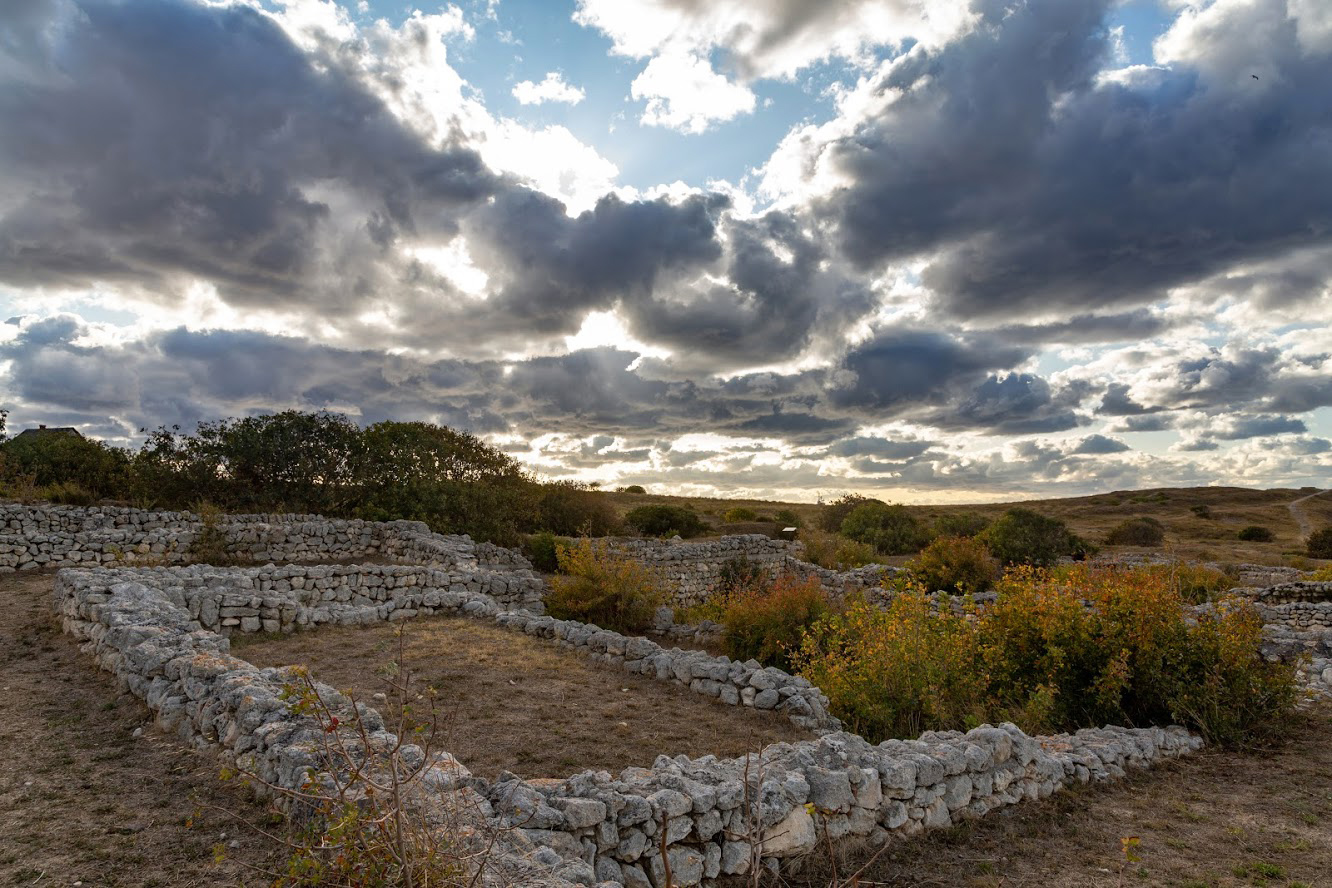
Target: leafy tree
{"type": "Point", "coordinates": [572, 508]}
{"type": "Point", "coordinates": [289, 461]}
{"type": "Point", "coordinates": [961, 524]}
{"type": "Point", "coordinates": [662, 521]}
{"type": "Point", "coordinates": [1144, 531]}
{"type": "Point", "coordinates": [451, 480]}
{"type": "Point", "coordinates": [957, 565]}
{"type": "Point", "coordinates": [891, 530]}
{"type": "Point", "coordinates": [1022, 536]}
{"type": "Point", "coordinates": [834, 513]}
{"type": "Point", "coordinates": [1255, 534]}
{"type": "Point", "coordinates": [1319, 544]}
{"type": "Point", "coordinates": [68, 461]}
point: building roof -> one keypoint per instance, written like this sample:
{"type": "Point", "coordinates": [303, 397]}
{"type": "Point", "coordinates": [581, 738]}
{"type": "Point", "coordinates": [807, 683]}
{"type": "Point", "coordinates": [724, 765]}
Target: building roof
{"type": "Point", "coordinates": [42, 431]}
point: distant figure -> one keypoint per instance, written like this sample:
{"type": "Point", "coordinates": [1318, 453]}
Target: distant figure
{"type": "Point", "coordinates": [1254, 76]}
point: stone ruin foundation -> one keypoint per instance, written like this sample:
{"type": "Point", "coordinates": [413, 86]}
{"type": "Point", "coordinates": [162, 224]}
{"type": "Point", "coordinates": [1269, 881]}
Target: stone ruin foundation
{"type": "Point", "coordinates": [163, 632]}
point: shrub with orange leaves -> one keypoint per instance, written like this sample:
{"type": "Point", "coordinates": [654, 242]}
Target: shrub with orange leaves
{"type": "Point", "coordinates": [765, 621]}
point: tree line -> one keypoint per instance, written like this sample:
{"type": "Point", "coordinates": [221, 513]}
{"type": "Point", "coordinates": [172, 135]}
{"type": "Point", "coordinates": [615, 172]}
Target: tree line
{"type": "Point", "coordinates": [310, 462]}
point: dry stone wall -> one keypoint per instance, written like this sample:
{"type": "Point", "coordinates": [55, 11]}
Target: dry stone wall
{"type": "Point", "coordinates": [162, 632]}
{"type": "Point", "coordinates": [693, 570]}
{"type": "Point", "coordinates": [714, 817]}
{"type": "Point", "coordinates": [1297, 618]}
{"type": "Point", "coordinates": [300, 597]}
{"type": "Point", "coordinates": [33, 537]}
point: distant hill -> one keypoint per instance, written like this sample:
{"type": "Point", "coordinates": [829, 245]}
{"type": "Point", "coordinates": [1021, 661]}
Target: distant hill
{"type": "Point", "coordinates": [1201, 522]}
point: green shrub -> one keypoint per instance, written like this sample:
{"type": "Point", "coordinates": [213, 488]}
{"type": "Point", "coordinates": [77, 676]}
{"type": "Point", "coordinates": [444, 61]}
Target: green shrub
{"type": "Point", "coordinates": [891, 530]}
{"type": "Point", "coordinates": [1322, 575]}
{"type": "Point", "coordinates": [1319, 544]}
{"type": "Point", "coordinates": [787, 518]}
{"type": "Point", "coordinates": [210, 545]}
{"type": "Point", "coordinates": [542, 549]}
{"type": "Point", "coordinates": [834, 513]}
{"type": "Point", "coordinates": [1136, 532]}
{"type": "Point", "coordinates": [66, 465]}
{"type": "Point", "coordinates": [1194, 582]}
{"type": "Point", "coordinates": [738, 514]}
{"type": "Point", "coordinates": [1201, 510]}
{"type": "Point", "coordinates": [69, 493]}
{"type": "Point", "coordinates": [1022, 536]}
{"type": "Point", "coordinates": [571, 508]}
{"type": "Point", "coordinates": [960, 524]}
{"type": "Point", "coordinates": [1255, 533]}
{"type": "Point", "coordinates": [633, 488]}
{"type": "Point", "coordinates": [766, 624]}
{"type": "Point", "coordinates": [665, 521]}
{"type": "Point", "coordinates": [957, 565]}
{"type": "Point", "coordinates": [739, 573]}
{"type": "Point", "coordinates": [597, 586]}
{"type": "Point", "coordinates": [835, 552]}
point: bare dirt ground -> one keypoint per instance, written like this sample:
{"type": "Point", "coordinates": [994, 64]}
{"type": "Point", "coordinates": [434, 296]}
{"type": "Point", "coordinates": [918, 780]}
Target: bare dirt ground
{"type": "Point", "coordinates": [523, 704]}
{"type": "Point", "coordinates": [1297, 512]}
{"type": "Point", "coordinates": [82, 800]}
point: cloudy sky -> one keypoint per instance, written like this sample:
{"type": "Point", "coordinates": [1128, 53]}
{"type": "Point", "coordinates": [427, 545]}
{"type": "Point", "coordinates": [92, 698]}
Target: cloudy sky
{"type": "Point", "coordinates": [937, 250]}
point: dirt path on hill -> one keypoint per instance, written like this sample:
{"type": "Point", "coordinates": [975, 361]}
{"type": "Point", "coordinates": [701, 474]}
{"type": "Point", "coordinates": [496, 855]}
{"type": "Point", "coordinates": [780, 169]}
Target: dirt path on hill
{"type": "Point", "coordinates": [1301, 518]}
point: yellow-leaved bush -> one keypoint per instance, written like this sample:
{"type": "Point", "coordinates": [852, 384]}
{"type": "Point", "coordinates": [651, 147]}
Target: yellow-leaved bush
{"type": "Point", "coordinates": [1058, 650]}
{"type": "Point", "coordinates": [596, 585]}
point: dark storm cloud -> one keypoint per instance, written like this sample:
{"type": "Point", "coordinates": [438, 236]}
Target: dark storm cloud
{"type": "Point", "coordinates": [556, 269]}
{"type": "Point", "coordinates": [880, 448]}
{"type": "Point", "coordinates": [901, 367]}
{"type": "Point", "coordinates": [225, 152]}
{"type": "Point", "coordinates": [1258, 426]}
{"type": "Point", "coordinates": [1099, 444]}
{"type": "Point", "coordinates": [796, 428]}
{"type": "Point", "coordinates": [161, 138]}
{"type": "Point", "coordinates": [1151, 423]}
{"type": "Point", "coordinates": [1195, 445]}
{"type": "Point", "coordinates": [1012, 404]}
{"type": "Point", "coordinates": [1087, 329]}
{"type": "Point", "coordinates": [1045, 191]}
{"type": "Point", "coordinates": [1249, 380]}
{"type": "Point", "coordinates": [1118, 402]}
{"type": "Point", "coordinates": [779, 295]}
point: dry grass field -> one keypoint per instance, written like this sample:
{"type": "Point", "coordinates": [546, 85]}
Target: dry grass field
{"type": "Point", "coordinates": [511, 702]}
{"type": "Point", "coordinates": [1187, 534]}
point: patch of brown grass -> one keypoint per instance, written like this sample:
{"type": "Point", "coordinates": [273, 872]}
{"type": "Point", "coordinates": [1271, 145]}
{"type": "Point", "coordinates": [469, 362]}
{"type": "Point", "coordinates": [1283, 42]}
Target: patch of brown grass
{"type": "Point", "coordinates": [524, 704]}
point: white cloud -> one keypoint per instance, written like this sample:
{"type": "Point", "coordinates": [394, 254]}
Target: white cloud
{"type": "Point", "coordinates": [1118, 48]}
{"type": "Point", "coordinates": [759, 41]}
{"type": "Point", "coordinates": [553, 160]}
{"type": "Point", "coordinates": [772, 39]}
{"type": "Point", "coordinates": [408, 68]}
{"type": "Point", "coordinates": [552, 89]}
{"type": "Point", "coordinates": [684, 93]}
